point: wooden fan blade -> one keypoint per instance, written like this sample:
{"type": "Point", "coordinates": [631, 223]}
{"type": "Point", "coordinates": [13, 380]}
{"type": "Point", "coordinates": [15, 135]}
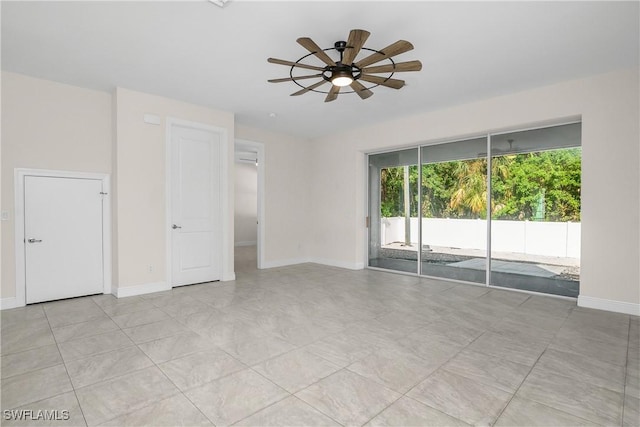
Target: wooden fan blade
{"type": "Point", "coordinates": [393, 83]}
{"type": "Point", "coordinates": [294, 64]}
{"type": "Point", "coordinates": [354, 44]}
{"type": "Point", "coordinates": [399, 66]}
{"type": "Point", "coordinates": [288, 79]}
{"type": "Point", "coordinates": [312, 47]}
{"type": "Point", "coordinates": [333, 94]}
{"type": "Point", "coordinates": [307, 89]}
{"type": "Point", "coordinates": [362, 91]}
{"type": "Point", "coordinates": [393, 49]}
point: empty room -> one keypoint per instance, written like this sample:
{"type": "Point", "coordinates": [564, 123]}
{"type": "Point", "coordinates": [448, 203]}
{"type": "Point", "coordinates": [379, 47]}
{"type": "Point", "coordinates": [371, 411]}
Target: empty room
{"type": "Point", "coordinates": [320, 213]}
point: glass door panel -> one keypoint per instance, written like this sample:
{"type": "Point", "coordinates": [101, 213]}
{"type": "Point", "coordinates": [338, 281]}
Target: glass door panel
{"type": "Point", "coordinates": [453, 208]}
{"type": "Point", "coordinates": [393, 210]}
{"type": "Point", "coordinates": [535, 210]}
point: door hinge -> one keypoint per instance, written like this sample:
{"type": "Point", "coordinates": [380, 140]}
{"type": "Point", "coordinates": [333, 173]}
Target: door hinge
{"type": "Point", "coordinates": [366, 222]}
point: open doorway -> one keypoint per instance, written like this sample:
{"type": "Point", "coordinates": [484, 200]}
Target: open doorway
{"type": "Point", "coordinates": [249, 166]}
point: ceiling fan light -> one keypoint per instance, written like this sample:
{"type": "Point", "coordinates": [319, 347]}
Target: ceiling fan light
{"type": "Point", "coordinates": [342, 81]}
{"type": "Point", "coordinates": [341, 76]}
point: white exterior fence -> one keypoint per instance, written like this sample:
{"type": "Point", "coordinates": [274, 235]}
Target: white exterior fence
{"type": "Point", "coordinates": [559, 239]}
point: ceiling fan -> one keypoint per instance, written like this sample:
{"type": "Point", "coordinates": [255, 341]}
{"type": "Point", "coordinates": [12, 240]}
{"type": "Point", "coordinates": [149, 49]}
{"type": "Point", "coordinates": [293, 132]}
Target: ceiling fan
{"type": "Point", "coordinates": [346, 71]}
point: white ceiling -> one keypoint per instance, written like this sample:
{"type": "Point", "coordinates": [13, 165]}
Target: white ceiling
{"type": "Point", "coordinates": [200, 53]}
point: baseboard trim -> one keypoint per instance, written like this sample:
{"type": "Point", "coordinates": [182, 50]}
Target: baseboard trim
{"type": "Point", "coordinates": [609, 305]}
{"type": "Point", "coordinates": [227, 277]}
{"type": "Point", "coordinates": [8, 303]}
{"type": "Point", "coordinates": [247, 243]}
{"type": "Point", "coordinates": [339, 264]}
{"type": "Point", "coordinates": [322, 261]}
{"type": "Point", "coordinates": [145, 288]}
{"type": "Point", "coordinates": [283, 262]}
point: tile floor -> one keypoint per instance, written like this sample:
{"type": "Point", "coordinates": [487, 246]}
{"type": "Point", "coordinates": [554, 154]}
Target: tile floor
{"type": "Point", "coordinates": [315, 345]}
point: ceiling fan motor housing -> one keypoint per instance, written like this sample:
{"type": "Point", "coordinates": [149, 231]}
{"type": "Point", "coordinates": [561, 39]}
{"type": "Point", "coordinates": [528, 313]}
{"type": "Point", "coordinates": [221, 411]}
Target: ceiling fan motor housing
{"type": "Point", "coordinates": [340, 46]}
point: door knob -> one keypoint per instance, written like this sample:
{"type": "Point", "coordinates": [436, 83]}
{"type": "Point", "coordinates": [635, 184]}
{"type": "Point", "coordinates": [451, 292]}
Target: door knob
{"type": "Point", "coordinates": [175, 226]}
{"type": "Point", "coordinates": [34, 241]}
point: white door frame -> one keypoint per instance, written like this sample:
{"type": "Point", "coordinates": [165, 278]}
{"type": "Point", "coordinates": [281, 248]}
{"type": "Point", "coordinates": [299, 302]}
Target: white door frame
{"type": "Point", "coordinates": [227, 235]}
{"type": "Point", "coordinates": [19, 176]}
{"type": "Point", "coordinates": [258, 147]}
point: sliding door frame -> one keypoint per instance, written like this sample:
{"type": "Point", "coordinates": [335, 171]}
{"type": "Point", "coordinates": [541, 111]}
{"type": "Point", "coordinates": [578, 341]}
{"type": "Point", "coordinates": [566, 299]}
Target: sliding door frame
{"type": "Point", "coordinates": [488, 256]}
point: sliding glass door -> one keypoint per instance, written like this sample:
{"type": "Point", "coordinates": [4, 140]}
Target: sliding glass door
{"type": "Point", "coordinates": [535, 210]}
{"type": "Point", "coordinates": [507, 204]}
{"type": "Point", "coordinates": [454, 200]}
{"type": "Point", "coordinates": [393, 210]}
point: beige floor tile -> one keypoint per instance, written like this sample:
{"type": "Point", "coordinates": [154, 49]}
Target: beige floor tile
{"type": "Point", "coordinates": [253, 351]}
{"type": "Point", "coordinates": [288, 412]}
{"type": "Point", "coordinates": [234, 397]}
{"type": "Point", "coordinates": [631, 412]}
{"type": "Point", "coordinates": [84, 329]}
{"type": "Point", "coordinates": [348, 398]}
{"type": "Point", "coordinates": [632, 386]}
{"type": "Point", "coordinates": [577, 398]}
{"type": "Point", "coordinates": [22, 316]}
{"type": "Point", "coordinates": [395, 368]}
{"type": "Point", "coordinates": [120, 309]}
{"type": "Point", "coordinates": [495, 372]}
{"type": "Point", "coordinates": [137, 318]}
{"type": "Point", "coordinates": [462, 398]}
{"type": "Point", "coordinates": [174, 411]}
{"type": "Point", "coordinates": [175, 346]}
{"type": "Point", "coordinates": [519, 351]}
{"type": "Point", "coordinates": [60, 410]}
{"type": "Point", "coordinates": [34, 386]}
{"type": "Point", "coordinates": [296, 370]}
{"type": "Point", "coordinates": [523, 412]}
{"type": "Point", "coordinates": [69, 317]}
{"type": "Point", "coordinates": [95, 344]}
{"type": "Point", "coordinates": [200, 368]}
{"type": "Point", "coordinates": [341, 350]}
{"type": "Point", "coordinates": [367, 335]}
{"type": "Point", "coordinates": [406, 412]}
{"type": "Point", "coordinates": [109, 399]}
{"type": "Point", "coordinates": [594, 349]}
{"type": "Point", "coordinates": [432, 347]}
{"type": "Point", "coordinates": [154, 331]}
{"type": "Point", "coordinates": [583, 369]}
{"type": "Point", "coordinates": [93, 369]}
{"type": "Point", "coordinates": [26, 337]}
{"type": "Point", "coordinates": [108, 300]}
{"type": "Point", "coordinates": [30, 360]}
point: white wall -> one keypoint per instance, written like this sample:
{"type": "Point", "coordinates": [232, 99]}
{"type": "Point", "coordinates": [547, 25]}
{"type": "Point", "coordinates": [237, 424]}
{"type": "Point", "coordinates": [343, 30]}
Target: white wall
{"type": "Point", "coordinates": [286, 196]}
{"type": "Point", "coordinates": [316, 209]}
{"type": "Point", "coordinates": [608, 107]}
{"type": "Point", "coordinates": [140, 184]}
{"type": "Point", "coordinates": [47, 125]}
{"type": "Point", "coordinates": [246, 204]}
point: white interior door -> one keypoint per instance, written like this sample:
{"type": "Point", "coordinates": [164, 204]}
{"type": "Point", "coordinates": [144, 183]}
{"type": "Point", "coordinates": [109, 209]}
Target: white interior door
{"type": "Point", "coordinates": [63, 237]}
{"type": "Point", "coordinates": [196, 239]}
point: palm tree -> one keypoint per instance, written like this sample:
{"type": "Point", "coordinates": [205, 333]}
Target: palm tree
{"type": "Point", "coordinates": [470, 198]}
